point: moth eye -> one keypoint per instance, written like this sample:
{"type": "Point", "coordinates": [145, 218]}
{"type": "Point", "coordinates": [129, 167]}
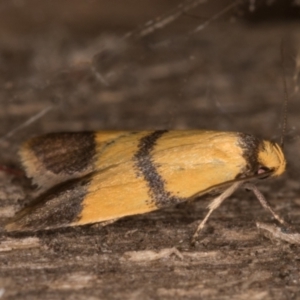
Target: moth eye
{"type": "Point", "coordinates": [263, 170]}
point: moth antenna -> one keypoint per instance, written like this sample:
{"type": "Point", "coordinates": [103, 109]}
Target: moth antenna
{"type": "Point", "coordinates": [217, 16]}
{"type": "Point", "coordinates": [286, 99]}
{"type": "Point", "coordinates": [163, 20]}
{"type": "Point", "coordinates": [172, 15]}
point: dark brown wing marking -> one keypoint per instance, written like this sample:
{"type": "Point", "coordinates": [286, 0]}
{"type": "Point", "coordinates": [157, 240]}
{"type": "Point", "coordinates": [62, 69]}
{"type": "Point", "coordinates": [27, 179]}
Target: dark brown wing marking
{"type": "Point", "coordinates": [250, 145]}
{"type": "Point", "coordinates": [65, 153]}
{"type": "Point", "coordinates": [58, 207]}
{"type": "Point", "coordinates": [146, 167]}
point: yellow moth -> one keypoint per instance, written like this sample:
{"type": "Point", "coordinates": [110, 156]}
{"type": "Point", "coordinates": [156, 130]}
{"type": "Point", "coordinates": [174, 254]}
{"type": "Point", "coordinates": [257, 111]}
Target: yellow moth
{"type": "Point", "coordinates": [103, 176]}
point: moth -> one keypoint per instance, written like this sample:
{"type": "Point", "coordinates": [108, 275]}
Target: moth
{"type": "Point", "coordinates": [92, 177]}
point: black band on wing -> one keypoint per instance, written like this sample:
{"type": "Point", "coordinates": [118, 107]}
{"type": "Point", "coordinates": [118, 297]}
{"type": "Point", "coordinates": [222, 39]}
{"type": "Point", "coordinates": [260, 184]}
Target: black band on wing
{"type": "Point", "coordinates": [146, 167]}
{"type": "Point", "coordinates": [250, 145]}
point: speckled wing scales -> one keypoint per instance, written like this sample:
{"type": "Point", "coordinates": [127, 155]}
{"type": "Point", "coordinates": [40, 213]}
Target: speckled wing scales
{"type": "Point", "coordinates": [164, 168]}
{"type": "Point", "coordinates": [82, 169]}
{"type": "Point", "coordinates": [103, 176]}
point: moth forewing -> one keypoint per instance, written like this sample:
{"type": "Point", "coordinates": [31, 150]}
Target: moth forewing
{"type": "Point", "coordinates": [104, 176]}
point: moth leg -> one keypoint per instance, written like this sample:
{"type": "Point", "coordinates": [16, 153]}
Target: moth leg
{"type": "Point", "coordinates": [215, 204]}
{"type": "Point", "coordinates": [264, 202]}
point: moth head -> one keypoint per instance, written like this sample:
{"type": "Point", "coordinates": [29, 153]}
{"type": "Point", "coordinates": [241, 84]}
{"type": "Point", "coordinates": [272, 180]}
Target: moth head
{"type": "Point", "coordinates": [271, 159]}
